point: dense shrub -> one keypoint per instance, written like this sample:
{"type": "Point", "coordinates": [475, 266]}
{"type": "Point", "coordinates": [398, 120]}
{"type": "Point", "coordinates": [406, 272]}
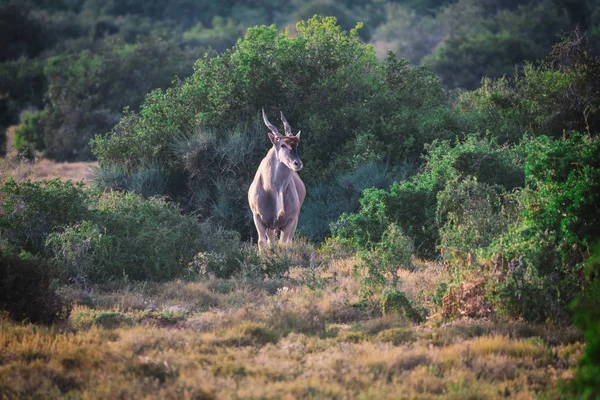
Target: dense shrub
{"type": "Point", "coordinates": [83, 253]}
{"type": "Point", "coordinates": [586, 309]}
{"type": "Point", "coordinates": [394, 301]}
{"type": "Point", "coordinates": [353, 111]}
{"type": "Point", "coordinates": [23, 86]}
{"type": "Point", "coordinates": [26, 289]}
{"type": "Point", "coordinates": [378, 275]}
{"type": "Point", "coordinates": [497, 42]}
{"type": "Point", "coordinates": [465, 40]}
{"type": "Point", "coordinates": [21, 33]}
{"type": "Point", "coordinates": [542, 253]}
{"type": "Point", "coordinates": [552, 97]}
{"type": "Point", "coordinates": [29, 135]}
{"type": "Point", "coordinates": [137, 238]}
{"type": "Point", "coordinates": [30, 211]}
{"type": "Point", "coordinates": [210, 168]}
{"type": "Point", "coordinates": [311, 66]}
{"type": "Point", "coordinates": [327, 201]}
{"type": "Point", "coordinates": [470, 215]}
{"type": "Point", "coordinates": [413, 203]}
{"type": "Point", "coordinates": [95, 237]}
{"type": "Point", "coordinates": [522, 253]}
{"type": "Point", "coordinates": [88, 90]}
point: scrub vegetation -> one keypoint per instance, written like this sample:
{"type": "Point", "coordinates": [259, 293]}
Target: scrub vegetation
{"type": "Point", "coordinates": [447, 247]}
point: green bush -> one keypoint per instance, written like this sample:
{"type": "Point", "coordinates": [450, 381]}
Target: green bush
{"type": "Point", "coordinates": [327, 201]}
{"type": "Point", "coordinates": [83, 253]}
{"type": "Point", "coordinates": [470, 215]}
{"type": "Point", "coordinates": [586, 310]}
{"type": "Point", "coordinates": [95, 237]}
{"type": "Point", "coordinates": [413, 203]}
{"type": "Point", "coordinates": [542, 252]}
{"type": "Point", "coordinates": [320, 58]}
{"type": "Point", "coordinates": [148, 181]}
{"type": "Point", "coordinates": [23, 85]}
{"type": "Point", "coordinates": [353, 110]}
{"type": "Point", "coordinates": [483, 39]}
{"type": "Point", "coordinates": [523, 251]}
{"type": "Point", "coordinates": [139, 239]}
{"type": "Point", "coordinates": [26, 289]}
{"type": "Point", "coordinates": [378, 272]}
{"type": "Point", "coordinates": [87, 91]}
{"type": "Point", "coordinates": [552, 97]}
{"type": "Point", "coordinates": [29, 135]}
{"type": "Point", "coordinates": [394, 301]}
{"type": "Point", "coordinates": [30, 211]}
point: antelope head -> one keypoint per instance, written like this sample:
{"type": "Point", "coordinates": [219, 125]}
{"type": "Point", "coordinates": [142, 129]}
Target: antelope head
{"type": "Point", "coordinates": [286, 147]}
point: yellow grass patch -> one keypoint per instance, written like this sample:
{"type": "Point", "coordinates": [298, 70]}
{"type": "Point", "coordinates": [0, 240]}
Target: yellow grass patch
{"type": "Point", "coordinates": [293, 338]}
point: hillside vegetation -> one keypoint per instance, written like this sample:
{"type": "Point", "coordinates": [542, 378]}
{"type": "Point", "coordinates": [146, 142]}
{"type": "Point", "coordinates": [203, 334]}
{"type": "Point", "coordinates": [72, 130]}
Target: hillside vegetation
{"type": "Point", "coordinates": [447, 245]}
{"type": "Point", "coordinates": [68, 68]}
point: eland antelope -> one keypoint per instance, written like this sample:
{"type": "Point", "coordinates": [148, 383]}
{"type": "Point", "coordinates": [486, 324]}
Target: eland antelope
{"type": "Point", "coordinates": [277, 192]}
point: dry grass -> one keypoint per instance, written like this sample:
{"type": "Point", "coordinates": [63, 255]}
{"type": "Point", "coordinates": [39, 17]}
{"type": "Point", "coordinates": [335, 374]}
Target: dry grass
{"type": "Point", "coordinates": [306, 339]}
{"type": "Point", "coordinates": [21, 169]}
{"type": "Point", "coordinates": [46, 169]}
{"type": "Point", "coordinates": [301, 336]}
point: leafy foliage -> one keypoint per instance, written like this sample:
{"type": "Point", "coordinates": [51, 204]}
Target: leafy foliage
{"type": "Point", "coordinates": [471, 215]}
{"type": "Point", "coordinates": [96, 237]}
{"type": "Point", "coordinates": [80, 84]}
{"type": "Point", "coordinates": [467, 40]}
{"type": "Point", "coordinates": [394, 301]}
{"type": "Point", "coordinates": [414, 203]}
{"type": "Point", "coordinates": [29, 135]}
{"type": "Point", "coordinates": [141, 239]}
{"type": "Point", "coordinates": [553, 97]}
{"type": "Point", "coordinates": [30, 211]}
{"type": "Point", "coordinates": [542, 253]}
{"type": "Point", "coordinates": [200, 131]}
{"type": "Point", "coordinates": [586, 383]}
{"type": "Point", "coordinates": [378, 274]}
{"type": "Point", "coordinates": [327, 201]}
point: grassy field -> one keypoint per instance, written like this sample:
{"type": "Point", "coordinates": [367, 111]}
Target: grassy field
{"type": "Point", "coordinates": [301, 336]}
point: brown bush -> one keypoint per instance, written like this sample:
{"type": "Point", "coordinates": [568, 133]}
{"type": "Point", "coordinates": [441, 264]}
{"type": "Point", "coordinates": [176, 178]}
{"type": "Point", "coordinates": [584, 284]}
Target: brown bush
{"type": "Point", "coordinates": [467, 299]}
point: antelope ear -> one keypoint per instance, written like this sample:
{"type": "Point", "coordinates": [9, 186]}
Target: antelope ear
{"type": "Point", "coordinates": [274, 138]}
{"type": "Point", "coordinates": [298, 135]}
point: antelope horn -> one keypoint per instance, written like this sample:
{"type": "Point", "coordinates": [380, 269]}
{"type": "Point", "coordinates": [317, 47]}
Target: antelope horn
{"type": "Point", "coordinates": [286, 125]}
{"type": "Point", "coordinates": [269, 125]}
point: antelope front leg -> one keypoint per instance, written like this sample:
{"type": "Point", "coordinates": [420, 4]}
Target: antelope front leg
{"type": "Point", "coordinates": [262, 234]}
{"type": "Point", "coordinates": [271, 236]}
{"type": "Point", "coordinates": [287, 233]}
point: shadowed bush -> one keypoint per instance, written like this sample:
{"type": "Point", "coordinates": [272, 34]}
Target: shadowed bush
{"type": "Point", "coordinates": [325, 202]}
{"type": "Point", "coordinates": [26, 290]}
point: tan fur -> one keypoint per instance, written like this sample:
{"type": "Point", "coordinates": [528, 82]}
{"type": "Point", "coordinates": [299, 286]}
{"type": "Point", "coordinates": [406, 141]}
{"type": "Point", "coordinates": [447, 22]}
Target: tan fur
{"type": "Point", "coordinates": [277, 192]}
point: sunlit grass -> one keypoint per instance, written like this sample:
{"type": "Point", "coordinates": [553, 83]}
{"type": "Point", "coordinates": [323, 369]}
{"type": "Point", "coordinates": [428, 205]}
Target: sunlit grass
{"type": "Point", "coordinates": [281, 339]}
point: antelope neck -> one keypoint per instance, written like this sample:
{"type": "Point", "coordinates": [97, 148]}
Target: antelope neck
{"type": "Point", "coordinates": [279, 173]}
